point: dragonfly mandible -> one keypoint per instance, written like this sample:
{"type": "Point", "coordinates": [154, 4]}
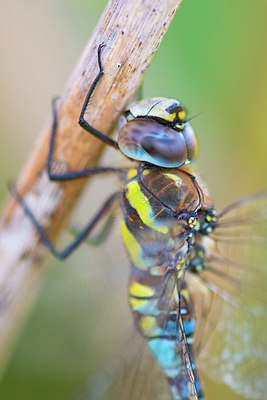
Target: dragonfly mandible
{"type": "Point", "coordinates": [180, 248]}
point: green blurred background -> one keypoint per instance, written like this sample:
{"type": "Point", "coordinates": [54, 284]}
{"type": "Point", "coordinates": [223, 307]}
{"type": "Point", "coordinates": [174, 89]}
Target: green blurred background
{"type": "Point", "coordinates": [214, 60]}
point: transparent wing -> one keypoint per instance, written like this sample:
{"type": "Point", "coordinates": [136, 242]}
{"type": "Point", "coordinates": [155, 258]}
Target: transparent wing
{"type": "Point", "coordinates": [231, 297]}
{"type": "Point", "coordinates": [129, 370]}
{"type": "Point", "coordinates": [124, 367]}
{"type": "Point", "coordinates": [131, 374]}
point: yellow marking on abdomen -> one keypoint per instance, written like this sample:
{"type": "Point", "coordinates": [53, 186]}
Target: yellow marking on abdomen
{"type": "Point", "coordinates": [139, 290]}
{"type": "Point", "coordinates": [148, 324]}
{"type": "Point", "coordinates": [137, 303]}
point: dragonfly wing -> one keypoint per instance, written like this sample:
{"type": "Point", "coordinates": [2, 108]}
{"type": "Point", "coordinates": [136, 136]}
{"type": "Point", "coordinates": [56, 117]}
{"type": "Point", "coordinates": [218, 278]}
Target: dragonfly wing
{"type": "Point", "coordinates": [172, 346]}
{"type": "Point", "coordinates": [188, 376]}
{"type": "Point", "coordinates": [131, 373]}
{"type": "Point", "coordinates": [231, 336]}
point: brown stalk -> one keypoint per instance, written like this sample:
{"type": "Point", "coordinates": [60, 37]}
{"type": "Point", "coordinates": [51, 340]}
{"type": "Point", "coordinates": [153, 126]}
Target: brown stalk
{"type": "Point", "coordinates": [132, 32]}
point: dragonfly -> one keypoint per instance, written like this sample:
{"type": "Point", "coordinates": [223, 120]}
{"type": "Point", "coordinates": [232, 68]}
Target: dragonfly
{"type": "Point", "coordinates": [196, 283]}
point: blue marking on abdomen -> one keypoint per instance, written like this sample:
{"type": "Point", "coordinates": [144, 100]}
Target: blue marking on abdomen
{"type": "Point", "coordinates": [189, 326]}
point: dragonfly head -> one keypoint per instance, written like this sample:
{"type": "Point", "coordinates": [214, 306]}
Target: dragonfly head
{"type": "Point", "coordinates": [155, 131]}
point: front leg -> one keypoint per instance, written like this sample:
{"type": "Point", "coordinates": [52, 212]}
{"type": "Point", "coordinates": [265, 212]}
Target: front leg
{"type": "Point", "coordinates": [82, 122]}
{"type": "Point", "coordinates": [85, 125]}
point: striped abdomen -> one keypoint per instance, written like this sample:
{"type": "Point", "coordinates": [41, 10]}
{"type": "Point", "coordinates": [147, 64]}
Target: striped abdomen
{"type": "Point", "coordinates": [157, 206]}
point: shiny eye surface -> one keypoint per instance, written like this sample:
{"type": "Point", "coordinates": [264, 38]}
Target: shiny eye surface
{"type": "Point", "coordinates": [155, 131]}
{"type": "Point", "coordinates": [149, 141]}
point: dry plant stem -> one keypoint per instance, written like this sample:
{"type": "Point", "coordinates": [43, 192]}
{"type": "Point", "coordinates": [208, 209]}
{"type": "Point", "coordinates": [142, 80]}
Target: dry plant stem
{"type": "Point", "coordinates": [132, 32]}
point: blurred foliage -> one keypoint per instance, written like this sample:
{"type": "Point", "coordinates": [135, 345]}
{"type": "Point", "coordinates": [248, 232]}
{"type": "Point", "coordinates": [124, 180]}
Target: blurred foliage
{"type": "Point", "coordinates": [213, 59]}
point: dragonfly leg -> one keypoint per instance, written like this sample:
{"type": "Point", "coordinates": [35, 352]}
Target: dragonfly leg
{"type": "Point", "coordinates": [71, 174]}
{"type": "Point", "coordinates": [82, 122]}
{"type": "Point", "coordinates": [62, 254]}
{"type": "Point", "coordinates": [100, 237]}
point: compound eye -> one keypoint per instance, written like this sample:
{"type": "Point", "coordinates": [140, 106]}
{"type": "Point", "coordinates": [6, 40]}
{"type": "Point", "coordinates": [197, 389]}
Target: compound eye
{"type": "Point", "coordinates": [167, 150]}
{"type": "Point", "coordinates": [147, 140]}
{"type": "Point", "coordinates": [191, 141]}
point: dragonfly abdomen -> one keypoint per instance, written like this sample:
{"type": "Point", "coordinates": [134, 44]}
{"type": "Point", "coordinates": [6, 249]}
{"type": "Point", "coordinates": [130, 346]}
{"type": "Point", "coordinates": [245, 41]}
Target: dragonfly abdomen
{"type": "Point", "coordinates": [156, 240]}
{"type": "Point", "coordinates": [168, 327]}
